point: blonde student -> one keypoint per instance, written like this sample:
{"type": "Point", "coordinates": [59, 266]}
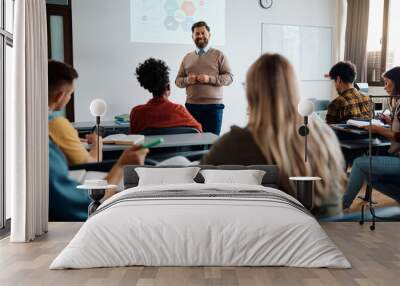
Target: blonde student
{"type": "Point", "coordinates": [271, 136]}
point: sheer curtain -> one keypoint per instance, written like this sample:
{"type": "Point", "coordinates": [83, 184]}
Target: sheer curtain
{"type": "Point", "coordinates": [340, 33]}
{"type": "Point", "coordinates": [340, 30]}
{"type": "Point", "coordinates": [357, 35]}
{"type": "Point", "coordinates": [26, 133]}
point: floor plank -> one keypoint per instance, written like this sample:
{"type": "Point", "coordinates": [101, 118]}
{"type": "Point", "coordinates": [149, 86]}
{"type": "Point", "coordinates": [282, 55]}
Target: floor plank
{"type": "Point", "coordinates": [375, 257]}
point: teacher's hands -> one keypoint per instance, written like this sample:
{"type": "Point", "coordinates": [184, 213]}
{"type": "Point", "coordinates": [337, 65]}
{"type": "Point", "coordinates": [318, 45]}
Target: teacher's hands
{"type": "Point", "coordinates": [192, 79]}
{"type": "Point", "coordinates": [203, 78]}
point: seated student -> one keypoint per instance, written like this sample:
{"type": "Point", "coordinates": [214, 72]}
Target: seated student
{"type": "Point", "coordinates": [385, 169]}
{"type": "Point", "coordinates": [66, 203]}
{"type": "Point", "coordinates": [350, 104]}
{"type": "Point", "coordinates": [61, 131]}
{"type": "Point", "coordinates": [158, 112]}
{"type": "Point", "coordinates": [271, 136]}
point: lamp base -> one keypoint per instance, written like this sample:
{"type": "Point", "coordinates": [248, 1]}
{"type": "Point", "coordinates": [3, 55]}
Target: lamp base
{"type": "Point", "coordinates": [95, 195]}
{"type": "Point", "coordinates": [305, 189]}
{"type": "Point", "coordinates": [368, 202]}
{"type": "Point", "coordinates": [305, 193]}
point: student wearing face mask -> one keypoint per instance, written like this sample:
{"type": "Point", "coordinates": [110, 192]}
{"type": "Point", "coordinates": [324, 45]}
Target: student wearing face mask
{"type": "Point", "coordinates": [203, 73]}
{"type": "Point", "coordinates": [65, 202]}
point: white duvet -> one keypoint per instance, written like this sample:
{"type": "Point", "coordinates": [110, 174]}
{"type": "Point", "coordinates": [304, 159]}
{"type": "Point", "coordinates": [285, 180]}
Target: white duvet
{"type": "Point", "coordinates": [200, 231]}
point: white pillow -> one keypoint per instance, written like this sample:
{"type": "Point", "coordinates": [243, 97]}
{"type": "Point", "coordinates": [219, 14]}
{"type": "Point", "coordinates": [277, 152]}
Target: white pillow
{"type": "Point", "coordinates": [248, 177]}
{"type": "Point", "coordinates": [166, 176]}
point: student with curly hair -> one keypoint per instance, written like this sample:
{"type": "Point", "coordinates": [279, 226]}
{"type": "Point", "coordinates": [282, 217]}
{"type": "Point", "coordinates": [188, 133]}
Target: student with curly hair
{"type": "Point", "coordinates": [158, 112]}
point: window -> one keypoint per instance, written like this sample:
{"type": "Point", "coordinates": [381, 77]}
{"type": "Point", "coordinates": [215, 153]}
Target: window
{"type": "Point", "coordinates": [9, 15]}
{"type": "Point", "coordinates": [6, 43]}
{"type": "Point", "coordinates": [59, 25]}
{"type": "Point", "coordinates": [383, 46]}
{"type": "Point", "coordinates": [374, 43]}
{"type": "Point", "coordinates": [393, 47]}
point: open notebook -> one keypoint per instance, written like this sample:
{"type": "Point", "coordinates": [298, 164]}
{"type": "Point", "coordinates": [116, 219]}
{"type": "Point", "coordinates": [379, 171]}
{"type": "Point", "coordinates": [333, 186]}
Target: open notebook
{"type": "Point", "coordinates": [178, 161]}
{"type": "Point", "coordinates": [81, 175]}
{"type": "Point", "coordinates": [362, 123]}
{"type": "Point", "coordinates": [123, 139]}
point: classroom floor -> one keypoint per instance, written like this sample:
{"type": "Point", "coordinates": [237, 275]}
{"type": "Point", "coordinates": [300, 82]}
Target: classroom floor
{"type": "Point", "coordinates": [374, 255]}
{"type": "Point", "coordinates": [379, 198]}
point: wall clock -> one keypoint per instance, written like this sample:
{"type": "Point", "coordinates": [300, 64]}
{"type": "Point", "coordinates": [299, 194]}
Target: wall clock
{"type": "Point", "coordinates": [266, 4]}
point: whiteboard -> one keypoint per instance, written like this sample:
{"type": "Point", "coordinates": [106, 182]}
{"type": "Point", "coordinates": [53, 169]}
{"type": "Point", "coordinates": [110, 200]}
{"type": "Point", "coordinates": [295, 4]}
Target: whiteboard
{"type": "Point", "coordinates": [308, 48]}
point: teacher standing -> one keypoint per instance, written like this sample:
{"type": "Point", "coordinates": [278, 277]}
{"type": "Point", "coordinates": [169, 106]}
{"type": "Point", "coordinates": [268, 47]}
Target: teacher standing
{"type": "Point", "coordinates": [203, 73]}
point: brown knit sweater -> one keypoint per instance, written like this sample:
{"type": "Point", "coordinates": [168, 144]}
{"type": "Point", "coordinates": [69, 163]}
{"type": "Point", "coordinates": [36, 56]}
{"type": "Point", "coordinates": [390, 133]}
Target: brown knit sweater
{"type": "Point", "coordinates": [235, 147]}
{"type": "Point", "coordinates": [215, 65]}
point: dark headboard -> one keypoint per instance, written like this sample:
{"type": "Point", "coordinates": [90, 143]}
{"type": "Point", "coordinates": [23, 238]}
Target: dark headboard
{"type": "Point", "coordinates": [270, 179]}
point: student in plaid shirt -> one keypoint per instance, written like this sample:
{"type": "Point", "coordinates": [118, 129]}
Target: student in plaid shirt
{"type": "Point", "coordinates": [350, 104]}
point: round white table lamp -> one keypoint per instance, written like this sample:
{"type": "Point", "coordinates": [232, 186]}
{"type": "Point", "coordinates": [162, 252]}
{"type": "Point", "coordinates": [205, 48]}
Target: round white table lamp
{"type": "Point", "coordinates": [305, 185]}
{"type": "Point", "coordinates": [98, 107]}
{"type": "Point", "coordinates": [305, 108]}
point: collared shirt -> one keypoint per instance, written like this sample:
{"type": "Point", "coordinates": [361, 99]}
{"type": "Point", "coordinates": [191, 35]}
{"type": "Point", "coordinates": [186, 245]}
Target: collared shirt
{"type": "Point", "coordinates": [159, 112]}
{"type": "Point", "coordinates": [205, 49]}
{"type": "Point", "coordinates": [350, 104]}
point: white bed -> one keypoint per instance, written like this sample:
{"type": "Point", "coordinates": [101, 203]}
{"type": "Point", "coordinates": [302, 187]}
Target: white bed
{"type": "Point", "coordinates": [246, 225]}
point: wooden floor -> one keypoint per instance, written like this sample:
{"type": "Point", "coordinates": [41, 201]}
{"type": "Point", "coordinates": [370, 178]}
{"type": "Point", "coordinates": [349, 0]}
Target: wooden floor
{"type": "Point", "coordinates": [378, 197]}
{"type": "Point", "coordinates": [375, 257]}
